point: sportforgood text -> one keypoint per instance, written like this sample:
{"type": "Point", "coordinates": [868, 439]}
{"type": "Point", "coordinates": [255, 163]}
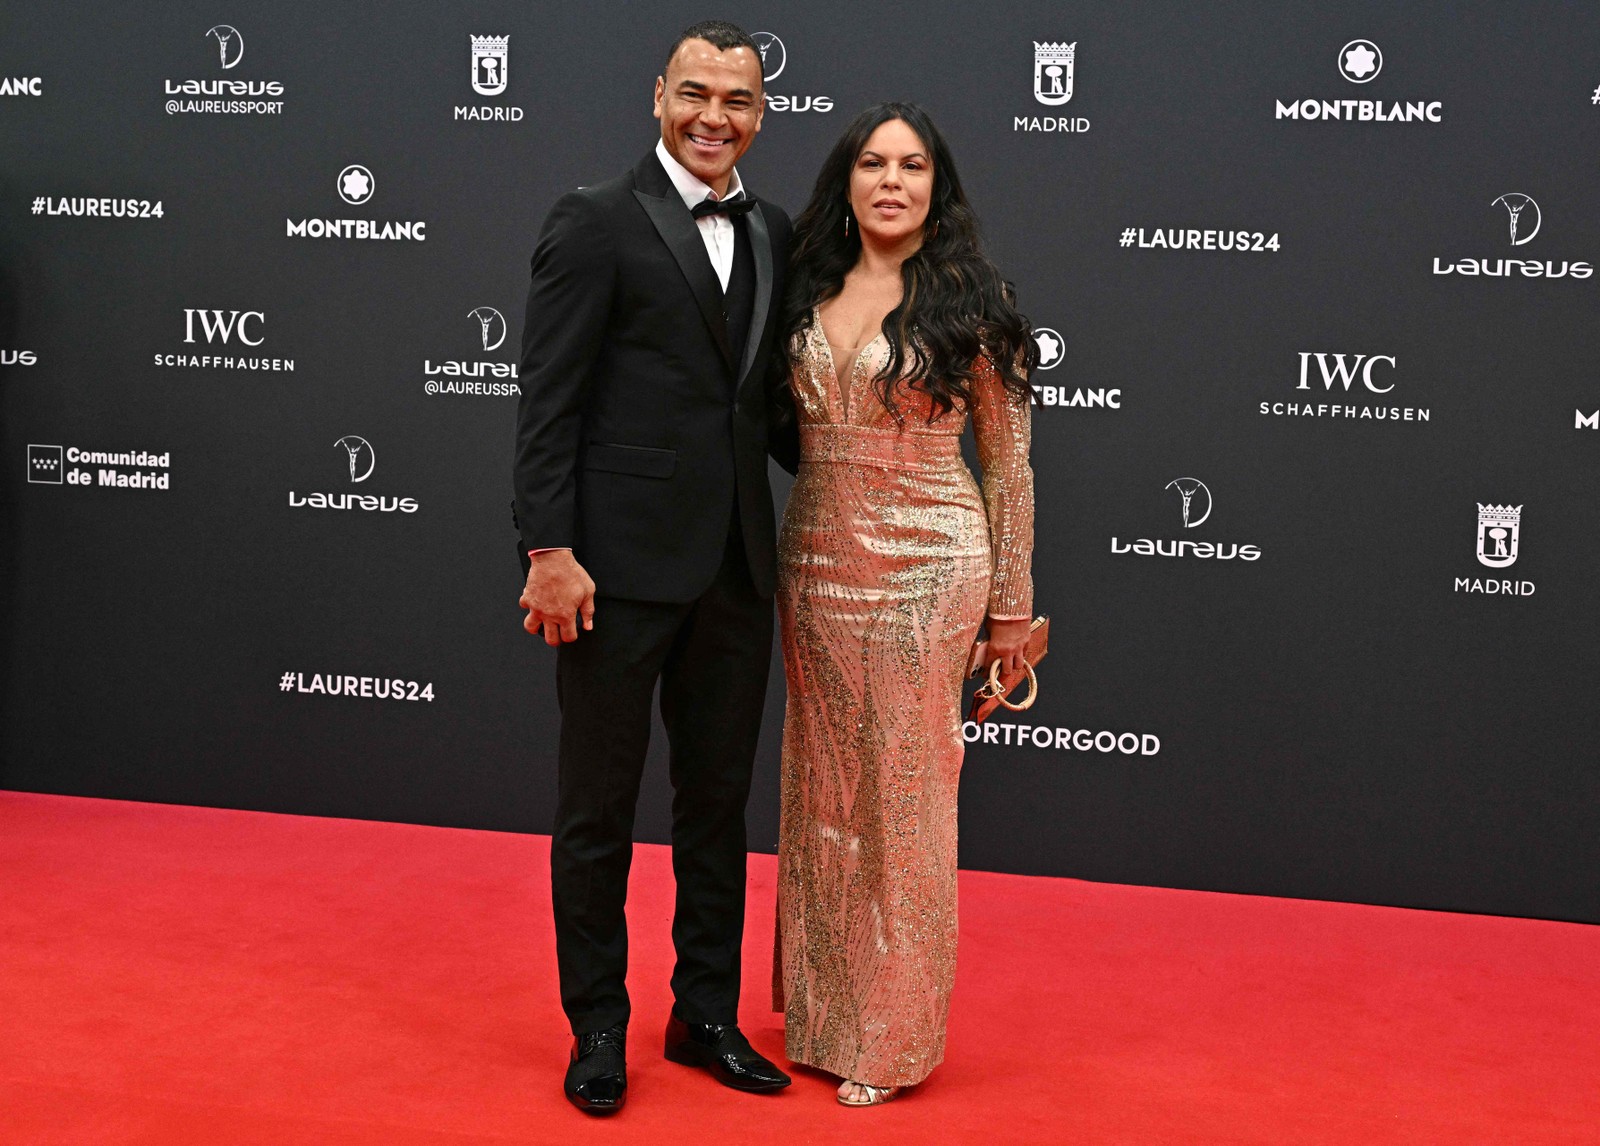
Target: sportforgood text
{"type": "Point", "coordinates": [1043, 736]}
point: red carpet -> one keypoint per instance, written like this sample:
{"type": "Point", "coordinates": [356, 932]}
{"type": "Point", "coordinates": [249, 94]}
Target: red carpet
{"type": "Point", "coordinates": [184, 975]}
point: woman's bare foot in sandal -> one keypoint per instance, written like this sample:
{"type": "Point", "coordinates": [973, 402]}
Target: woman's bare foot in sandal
{"type": "Point", "coordinates": [863, 1094]}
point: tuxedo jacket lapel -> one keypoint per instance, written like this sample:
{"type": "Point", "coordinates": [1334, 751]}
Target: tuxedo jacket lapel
{"type": "Point", "coordinates": [761, 248]}
{"type": "Point", "coordinates": [681, 234]}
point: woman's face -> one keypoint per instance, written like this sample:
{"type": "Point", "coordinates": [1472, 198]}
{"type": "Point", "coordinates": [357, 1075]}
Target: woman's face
{"type": "Point", "coordinates": [891, 185]}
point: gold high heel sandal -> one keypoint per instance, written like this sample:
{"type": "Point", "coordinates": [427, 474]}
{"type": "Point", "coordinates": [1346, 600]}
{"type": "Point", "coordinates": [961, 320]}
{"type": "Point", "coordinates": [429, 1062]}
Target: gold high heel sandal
{"type": "Point", "coordinates": [875, 1095]}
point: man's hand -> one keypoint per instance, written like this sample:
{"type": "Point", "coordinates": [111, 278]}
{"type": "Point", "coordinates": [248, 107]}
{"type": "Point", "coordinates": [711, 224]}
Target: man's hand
{"type": "Point", "coordinates": [557, 594]}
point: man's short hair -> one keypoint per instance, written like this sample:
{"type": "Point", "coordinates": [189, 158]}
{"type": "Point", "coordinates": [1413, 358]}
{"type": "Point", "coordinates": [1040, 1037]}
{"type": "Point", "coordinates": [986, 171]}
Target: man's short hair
{"type": "Point", "coordinates": [720, 34]}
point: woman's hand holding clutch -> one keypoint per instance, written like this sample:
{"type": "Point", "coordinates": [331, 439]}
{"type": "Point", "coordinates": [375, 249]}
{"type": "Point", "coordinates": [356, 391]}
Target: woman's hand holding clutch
{"type": "Point", "coordinates": [1008, 640]}
{"type": "Point", "coordinates": [994, 657]}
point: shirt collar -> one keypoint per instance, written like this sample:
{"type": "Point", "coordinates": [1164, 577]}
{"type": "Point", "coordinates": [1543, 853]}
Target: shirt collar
{"type": "Point", "coordinates": [689, 188]}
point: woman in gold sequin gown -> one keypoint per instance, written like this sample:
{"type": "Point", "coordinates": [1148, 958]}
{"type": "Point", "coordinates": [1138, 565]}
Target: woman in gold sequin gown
{"type": "Point", "coordinates": [891, 557]}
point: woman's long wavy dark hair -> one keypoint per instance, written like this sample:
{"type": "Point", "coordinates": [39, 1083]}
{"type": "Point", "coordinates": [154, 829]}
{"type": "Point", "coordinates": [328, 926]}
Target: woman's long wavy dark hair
{"type": "Point", "coordinates": [956, 306]}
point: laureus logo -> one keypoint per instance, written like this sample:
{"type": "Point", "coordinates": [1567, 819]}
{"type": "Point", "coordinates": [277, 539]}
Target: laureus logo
{"type": "Point", "coordinates": [1524, 220]}
{"type": "Point", "coordinates": [360, 459]}
{"type": "Point", "coordinates": [360, 455]}
{"type": "Point", "coordinates": [773, 55]}
{"type": "Point", "coordinates": [1187, 488]}
{"type": "Point", "coordinates": [1522, 229]}
{"type": "Point", "coordinates": [492, 325]}
{"type": "Point", "coordinates": [478, 377]}
{"type": "Point", "coordinates": [230, 45]}
{"type": "Point", "coordinates": [1194, 506]}
{"type": "Point", "coordinates": [219, 96]}
{"type": "Point", "coordinates": [1052, 72]}
{"type": "Point", "coordinates": [774, 58]}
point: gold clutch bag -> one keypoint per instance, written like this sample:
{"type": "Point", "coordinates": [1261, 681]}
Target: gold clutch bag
{"type": "Point", "coordinates": [997, 689]}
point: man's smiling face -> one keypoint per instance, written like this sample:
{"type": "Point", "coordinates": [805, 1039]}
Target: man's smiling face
{"type": "Point", "coordinates": [709, 105]}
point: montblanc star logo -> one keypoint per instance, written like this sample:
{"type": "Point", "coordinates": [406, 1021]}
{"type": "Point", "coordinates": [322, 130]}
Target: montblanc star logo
{"type": "Point", "coordinates": [356, 184]}
{"type": "Point", "coordinates": [1360, 61]}
{"type": "Point", "coordinates": [1051, 347]}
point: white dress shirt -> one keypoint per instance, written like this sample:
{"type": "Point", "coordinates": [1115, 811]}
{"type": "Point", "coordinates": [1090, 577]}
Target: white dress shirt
{"type": "Point", "coordinates": [715, 230]}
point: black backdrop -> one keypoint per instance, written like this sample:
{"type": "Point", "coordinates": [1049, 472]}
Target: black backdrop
{"type": "Point", "coordinates": [1364, 711]}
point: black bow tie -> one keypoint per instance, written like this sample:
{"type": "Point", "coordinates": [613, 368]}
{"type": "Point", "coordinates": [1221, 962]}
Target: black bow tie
{"type": "Point", "coordinates": [736, 206]}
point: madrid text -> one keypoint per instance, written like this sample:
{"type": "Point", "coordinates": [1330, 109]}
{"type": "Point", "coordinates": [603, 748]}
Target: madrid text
{"type": "Point", "coordinates": [1490, 587]}
{"type": "Point", "coordinates": [1052, 123]}
{"type": "Point", "coordinates": [489, 114]}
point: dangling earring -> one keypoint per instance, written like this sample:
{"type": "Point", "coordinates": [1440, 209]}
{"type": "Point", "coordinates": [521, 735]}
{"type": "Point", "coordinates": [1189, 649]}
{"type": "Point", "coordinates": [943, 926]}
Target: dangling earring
{"type": "Point", "coordinates": [847, 224]}
{"type": "Point", "coordinates": [935, 234]}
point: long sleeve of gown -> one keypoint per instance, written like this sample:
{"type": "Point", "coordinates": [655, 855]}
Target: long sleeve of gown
{"type": "Point", "coordinates": [1002, 424]}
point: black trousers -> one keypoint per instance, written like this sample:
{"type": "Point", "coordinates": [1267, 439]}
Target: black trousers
{"type": "Point", "coordinates": [711, 658]}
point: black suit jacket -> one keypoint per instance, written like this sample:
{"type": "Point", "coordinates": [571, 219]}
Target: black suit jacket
{"type": "Point", "coordinates": [637, 433]}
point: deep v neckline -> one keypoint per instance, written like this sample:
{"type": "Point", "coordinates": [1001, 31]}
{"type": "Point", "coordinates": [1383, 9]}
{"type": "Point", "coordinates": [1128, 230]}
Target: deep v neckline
{"type": "Point", "coordinates": [844, 382]}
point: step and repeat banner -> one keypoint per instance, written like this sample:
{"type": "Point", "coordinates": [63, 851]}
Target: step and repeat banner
{"type": "Point", "coordinates": [1318, 517]}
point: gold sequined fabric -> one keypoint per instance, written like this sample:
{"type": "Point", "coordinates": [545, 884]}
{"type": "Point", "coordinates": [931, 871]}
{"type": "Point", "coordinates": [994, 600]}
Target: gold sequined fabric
{"type": "Point", "coordinates": [889, 557]}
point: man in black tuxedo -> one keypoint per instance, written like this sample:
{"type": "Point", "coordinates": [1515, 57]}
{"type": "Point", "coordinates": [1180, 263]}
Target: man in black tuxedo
{"type": "Point", "coordinates": [644, 509]}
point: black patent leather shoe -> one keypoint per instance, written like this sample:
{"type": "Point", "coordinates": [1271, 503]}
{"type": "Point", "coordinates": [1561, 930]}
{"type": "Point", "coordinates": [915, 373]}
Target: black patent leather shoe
{"type": "Point", "coordinates": [597, 1076]}
{"type": "Point", "coordinates": [720, 1048]}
